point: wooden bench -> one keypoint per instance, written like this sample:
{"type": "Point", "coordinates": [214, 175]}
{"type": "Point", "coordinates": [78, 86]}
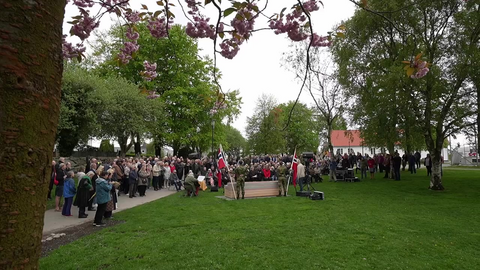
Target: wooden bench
{"type": "Point", "coordinates": [254, 189]}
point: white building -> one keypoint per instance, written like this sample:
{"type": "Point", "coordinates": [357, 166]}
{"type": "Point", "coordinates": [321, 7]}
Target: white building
{"type": "Point", "coordinates": [350, 141]}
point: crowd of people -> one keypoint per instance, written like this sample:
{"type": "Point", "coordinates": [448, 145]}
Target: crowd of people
{"type": "Point", "coordinates": [101, 183]}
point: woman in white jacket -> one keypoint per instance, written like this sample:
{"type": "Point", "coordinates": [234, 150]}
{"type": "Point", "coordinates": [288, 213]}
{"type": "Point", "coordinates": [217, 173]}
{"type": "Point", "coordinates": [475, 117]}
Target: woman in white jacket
{"type": "Point", "coordinates": [166, 166]}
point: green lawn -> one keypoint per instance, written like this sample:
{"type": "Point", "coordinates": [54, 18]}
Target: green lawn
{"type": "Point", "coordinates": [375, 224]}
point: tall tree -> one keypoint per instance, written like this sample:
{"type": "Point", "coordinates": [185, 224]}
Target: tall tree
{"type": "Point", "coordinates": [321, 85]}
{"type": "Point", "coordinates": [119, 99]}
{"type": "Point", "coordinates": [78, 111]}
{"type": "Point", "coordinates": [184, 84]}
{"type": "Point", "coordinates": [302, 132]}
{"type": "Point", "coordinates": [370, 60]}
{"type": "Point", "coordinates": [264, 128]}
{"type": "Point", "coordinates": [235, 142]}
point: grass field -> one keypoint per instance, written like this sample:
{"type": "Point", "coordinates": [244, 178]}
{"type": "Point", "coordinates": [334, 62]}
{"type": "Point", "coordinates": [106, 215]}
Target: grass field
{"type": "Point", "coordinates": [375, 224]}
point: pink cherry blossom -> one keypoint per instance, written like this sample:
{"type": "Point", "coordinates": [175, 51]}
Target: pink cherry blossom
{"type": "Point", "coordinates": [85, 25]}
{"type": "Point", "coordinates": [230, 47]}
{"type": "Point", "coordinates": [132, 35]}
{"type": "Point", "coordinates": [69, 51]}
{"type": "Point", "coordinates": [150, 72]}
{"type": "Point", "coordinates": [201, 28]}
{"type": "Point", "coordinates": [133, 17]}
{"type": "Point", "coordinates": [157, 27]}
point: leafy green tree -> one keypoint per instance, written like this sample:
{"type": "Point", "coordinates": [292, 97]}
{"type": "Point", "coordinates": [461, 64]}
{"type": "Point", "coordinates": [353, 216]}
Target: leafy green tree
{"type": "Point", "coordinates": [184, 84]}
{"type": "Point", "coordinates": [78, 107]}
{"type": "Point", "coordinates": [106, 146]}
{"type": "Point", "coordinates": [235, 142]}
{"type": "Point", "coordinates": [302, 132]}
{"type": "Point", "coordinates": [125, 112]}
{"type": "Point", "coordinates": [370, 62]}
{"type": "Point", "coordinates": [264, 127]}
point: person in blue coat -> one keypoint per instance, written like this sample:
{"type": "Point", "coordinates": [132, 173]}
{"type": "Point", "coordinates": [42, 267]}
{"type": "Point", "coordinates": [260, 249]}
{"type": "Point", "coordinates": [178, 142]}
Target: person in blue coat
{"type": "Point", "coordinates": [103, 188]}
{"type": "Point", "coordinates": [69, 192]}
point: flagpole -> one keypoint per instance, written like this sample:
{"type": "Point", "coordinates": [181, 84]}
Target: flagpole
{"type": "Point", "coordinates": [291, 166]}
{"type": "Point", "coordinates": [226, 165]}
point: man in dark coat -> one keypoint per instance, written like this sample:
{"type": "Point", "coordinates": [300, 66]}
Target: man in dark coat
{"type": "Point", "coordinates": [417, 159]}
{"type": "Point", "coordinates": [397, 162]}
{"type": "Point", "coordinates": [83, 194]}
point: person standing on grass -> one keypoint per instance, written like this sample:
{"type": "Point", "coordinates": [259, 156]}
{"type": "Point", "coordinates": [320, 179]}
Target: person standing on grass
{"type": "Point", "coordinates": [428, 165]}
{"type": "Point", "coordinates": [412, 164]}
{"type": "Point", "coordinates": [397, 163]}
{"type": "Point", "coordinates": [333, 170]}
{"type": "Point", "coordinates": [68, 193]}
{"type": "Point", "coordinates": [371, 167]}
{"type": "Point", "coordinates": [363, 167]}
{"type": "Point", "coordinates": [418, 157]}
{"type": "Point", "coordinates": [103, 188]}
{"type": "Point", "coordinates": [386, 165]}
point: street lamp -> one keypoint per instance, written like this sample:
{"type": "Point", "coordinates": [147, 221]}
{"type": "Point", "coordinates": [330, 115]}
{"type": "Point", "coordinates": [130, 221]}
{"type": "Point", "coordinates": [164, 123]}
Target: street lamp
{"type": "Point", "coordinates": [213, 127]}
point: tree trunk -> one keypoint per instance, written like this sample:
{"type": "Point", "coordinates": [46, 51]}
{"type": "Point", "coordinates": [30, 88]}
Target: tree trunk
{"type": "Point", "coordinates": [329, 138]}
{"type": "Point", "coordinates": [436, 179]}
{"type": "Point", "coordinates": [30, 84]}
{"type": "Point", "coordinates": [478, 122]}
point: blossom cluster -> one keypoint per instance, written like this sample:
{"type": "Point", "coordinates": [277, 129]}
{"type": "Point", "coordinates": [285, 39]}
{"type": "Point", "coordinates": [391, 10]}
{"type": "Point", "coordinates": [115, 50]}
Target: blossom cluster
{"type": "Point", "coordinates": [130, 47]}
{"type": "Point", "coordinates": [218, 106]}
{"type": "Point", "coordinates": [199, 28]}
{"type": "Point", "coordinates": [295, 25]}
{"type": "Point", "coordinates": [150, 72]}
{"type": "Point", "coordinates": [421, 68]}
{"type": "Point", "coordinates": [85, 25]}
{"type": "Point", "coordinates": [158, 27]}
{"type": "Point", "coordinates": [70, 51]}
{"type": "Point", "coordinates": [243, 25]}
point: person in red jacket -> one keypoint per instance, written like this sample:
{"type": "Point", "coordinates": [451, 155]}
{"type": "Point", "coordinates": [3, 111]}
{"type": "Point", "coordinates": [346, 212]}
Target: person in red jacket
{"type": "Point", "coordinates": [371, 167]}
{"type": "Point", "coordinates": [266, 173]}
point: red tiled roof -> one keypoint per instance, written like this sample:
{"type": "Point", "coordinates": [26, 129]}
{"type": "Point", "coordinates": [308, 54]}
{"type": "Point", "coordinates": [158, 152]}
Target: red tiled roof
{"type": "Point", "coordinates": [346, 138]}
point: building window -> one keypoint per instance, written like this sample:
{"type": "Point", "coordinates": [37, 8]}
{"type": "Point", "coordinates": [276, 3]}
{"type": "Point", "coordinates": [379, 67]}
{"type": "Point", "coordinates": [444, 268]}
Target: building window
{"type": "Point", "coordinates": [372, 151]}
{"type": "Point", "coordinates": [339, 151]}
{"type": "Point", "coordinates": [350, 151]}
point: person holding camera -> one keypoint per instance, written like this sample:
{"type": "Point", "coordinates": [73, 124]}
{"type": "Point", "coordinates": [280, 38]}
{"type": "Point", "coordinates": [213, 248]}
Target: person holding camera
{"type": "Point", "coordinates": [103, 188]}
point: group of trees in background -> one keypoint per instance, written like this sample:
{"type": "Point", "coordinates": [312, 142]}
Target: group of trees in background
{"type": "Point", "coordinates": [281, 128]}
{"type": "Point", "coordinates": [103, 99]}
{"type": "Point", "coordinates": [391, 107]}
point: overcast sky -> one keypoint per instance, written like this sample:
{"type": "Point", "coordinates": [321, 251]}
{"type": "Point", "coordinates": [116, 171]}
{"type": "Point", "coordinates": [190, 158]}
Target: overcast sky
{"type": "Point", "coordinates": [256, 69]}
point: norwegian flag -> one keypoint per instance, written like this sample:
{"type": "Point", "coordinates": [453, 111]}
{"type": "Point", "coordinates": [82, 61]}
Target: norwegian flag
{"type": "Point", "coordinates": [294, 167]}
{"type": "Point", "coordinates": [221, 160]}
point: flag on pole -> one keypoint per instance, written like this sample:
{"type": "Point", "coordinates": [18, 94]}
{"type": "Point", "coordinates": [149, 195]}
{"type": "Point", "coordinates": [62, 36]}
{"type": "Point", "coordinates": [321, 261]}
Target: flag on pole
{"type": "Point", "coordinates": [294, 167]}
{"type": "Point", "coordinates": [221, 161]}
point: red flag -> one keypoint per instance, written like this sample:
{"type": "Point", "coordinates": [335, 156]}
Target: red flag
{"type": "Point", "coordinates": [294, 167]}
{"type": "Point", "coordinates": [221, 161]}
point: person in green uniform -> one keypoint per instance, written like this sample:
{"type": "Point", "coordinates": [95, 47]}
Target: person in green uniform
{"type": "Point", "coordinates": [282, 180]}
{"type": "Point", "coordinates": [190, 184]}
{"type": "Point", "coordinates": [240, 174]}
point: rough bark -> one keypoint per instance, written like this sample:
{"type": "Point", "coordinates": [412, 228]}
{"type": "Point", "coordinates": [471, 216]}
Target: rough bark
{"type": "Point", "coordinates": [436, 179]}
{"type": "Point", "coordinates": [30, 84]}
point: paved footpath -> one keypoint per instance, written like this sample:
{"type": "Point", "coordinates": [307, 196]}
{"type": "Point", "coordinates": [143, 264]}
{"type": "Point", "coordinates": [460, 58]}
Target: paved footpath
{"type": "Point", "coordinates": [55, 222]}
